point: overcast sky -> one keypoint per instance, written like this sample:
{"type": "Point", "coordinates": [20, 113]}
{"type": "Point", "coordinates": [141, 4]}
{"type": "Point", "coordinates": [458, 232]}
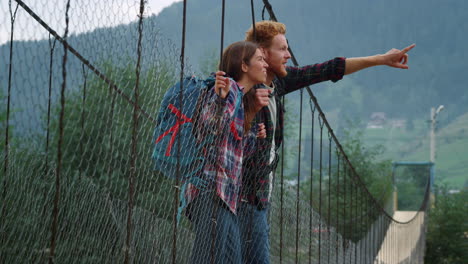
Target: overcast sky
{"type": "Point", "coordinates": [85, 15]}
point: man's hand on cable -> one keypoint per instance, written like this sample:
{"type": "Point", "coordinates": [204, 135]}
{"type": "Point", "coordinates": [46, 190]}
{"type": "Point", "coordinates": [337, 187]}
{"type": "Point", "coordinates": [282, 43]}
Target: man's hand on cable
{"type": "Point", "coordinates": [261, 98]}
{"type": "Point", "coordinates": [261, 131]}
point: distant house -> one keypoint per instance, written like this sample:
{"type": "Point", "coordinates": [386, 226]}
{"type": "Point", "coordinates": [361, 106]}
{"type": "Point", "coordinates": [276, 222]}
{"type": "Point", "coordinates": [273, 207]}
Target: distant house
{"type": "Point", "coordinates": [377, 120]}
{"type": "Point", "coordinates": [398, 123]}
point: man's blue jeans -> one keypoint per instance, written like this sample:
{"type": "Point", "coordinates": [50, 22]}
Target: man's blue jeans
{"type": "Point", "coordinates": [226, 246]}
{"type": "Point", "coordinates": [255, 231]}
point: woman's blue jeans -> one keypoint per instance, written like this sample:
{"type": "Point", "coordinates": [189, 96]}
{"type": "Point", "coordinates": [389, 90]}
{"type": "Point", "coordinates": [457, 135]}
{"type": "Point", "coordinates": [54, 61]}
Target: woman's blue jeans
{"type": "Point", "coordinates": [216, 232]}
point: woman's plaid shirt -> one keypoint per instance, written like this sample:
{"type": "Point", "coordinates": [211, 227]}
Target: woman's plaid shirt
{"type": "Point", "coordinates": [224, 120]}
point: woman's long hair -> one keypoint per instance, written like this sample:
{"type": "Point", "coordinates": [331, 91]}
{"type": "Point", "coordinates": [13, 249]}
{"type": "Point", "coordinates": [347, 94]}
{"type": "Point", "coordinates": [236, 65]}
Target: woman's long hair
{"type": "Point", "coordinates": [236, 54]}
{"type": "Point", "coordinates": [233, 57]}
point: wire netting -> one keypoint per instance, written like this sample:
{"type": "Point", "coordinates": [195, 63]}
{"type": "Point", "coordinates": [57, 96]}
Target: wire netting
{"type": "Point", "coordinates": [81, 97]}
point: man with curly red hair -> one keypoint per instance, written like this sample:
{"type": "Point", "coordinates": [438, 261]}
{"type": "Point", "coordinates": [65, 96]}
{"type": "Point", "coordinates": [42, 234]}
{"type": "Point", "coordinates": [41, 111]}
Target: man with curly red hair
{"type": "Point", "coordinates": [258, 169]}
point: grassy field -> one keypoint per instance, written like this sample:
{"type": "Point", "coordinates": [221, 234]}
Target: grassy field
{"type": "Point", "coordinates": [413, 145]}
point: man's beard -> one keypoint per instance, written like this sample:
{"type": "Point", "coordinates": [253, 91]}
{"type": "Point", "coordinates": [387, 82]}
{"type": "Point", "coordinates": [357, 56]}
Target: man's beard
{"type": "Point", "coordinates": [280, 72]}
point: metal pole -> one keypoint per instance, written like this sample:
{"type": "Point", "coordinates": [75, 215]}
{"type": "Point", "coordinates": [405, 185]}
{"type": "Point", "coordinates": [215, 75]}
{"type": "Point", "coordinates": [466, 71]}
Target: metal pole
{"type": "Point", "coordinates": [432, 136]}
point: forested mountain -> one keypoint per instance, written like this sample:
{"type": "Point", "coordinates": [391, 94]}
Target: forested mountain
{"type": "Point", "coordinates": [317, 31]}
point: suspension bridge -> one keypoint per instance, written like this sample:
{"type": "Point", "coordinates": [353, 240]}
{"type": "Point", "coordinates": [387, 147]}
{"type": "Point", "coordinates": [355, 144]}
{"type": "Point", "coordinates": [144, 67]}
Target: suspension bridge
{"type": "Point", "coordinates": [77, 178]}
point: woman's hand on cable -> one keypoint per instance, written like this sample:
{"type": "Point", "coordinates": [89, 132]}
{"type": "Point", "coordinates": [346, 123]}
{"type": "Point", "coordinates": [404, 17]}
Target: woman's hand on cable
{"type": "Point", "coordinates": [222, 84]}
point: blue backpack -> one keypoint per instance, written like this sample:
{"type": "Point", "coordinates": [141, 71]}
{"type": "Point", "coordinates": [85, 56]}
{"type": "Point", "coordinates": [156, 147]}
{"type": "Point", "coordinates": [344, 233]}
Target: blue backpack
{"type": "Point", "coordinates": [176, 122]}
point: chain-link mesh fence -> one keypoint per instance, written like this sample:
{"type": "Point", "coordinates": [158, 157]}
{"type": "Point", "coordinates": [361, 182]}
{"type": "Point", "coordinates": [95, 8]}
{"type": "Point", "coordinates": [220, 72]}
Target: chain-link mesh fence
{"type": "Point", "coordinates": [78, 179]}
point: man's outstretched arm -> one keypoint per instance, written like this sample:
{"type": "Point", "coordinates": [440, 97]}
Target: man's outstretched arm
{"type": "Point", "coordinates": [393, 58]}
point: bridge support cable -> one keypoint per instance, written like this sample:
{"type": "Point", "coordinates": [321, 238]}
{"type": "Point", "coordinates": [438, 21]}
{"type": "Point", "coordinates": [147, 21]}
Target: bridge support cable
{"type": "Point", "coordinates": [58, 171]}
{"type": "Point", "coordinates": [178, 171]}
{"type": "Point", "coordinates": [49, 103]}
{"type": "Point", "coordinates": [7, 127]}
{"type": "Point", "coordinates": [298, 186]}
{"type": "Point", "coordinates": [134, 146]}
{"type": "Point", "coordinates": [311, 190]}
{"type": "Point", "coordinates": [84, 74]}
{"type": "Point", "coordinates": [47, 169]}
{"type": "Point", "coordinates": [337, 223]}
{"type": "Point", "coordinates": [329, 197]}
{"type": "Point", "coordinates": [282, 194]}
{"type": "Point", "coordinates": [321, 123]}
{"type": "Point", "coordinates": [352, 217]}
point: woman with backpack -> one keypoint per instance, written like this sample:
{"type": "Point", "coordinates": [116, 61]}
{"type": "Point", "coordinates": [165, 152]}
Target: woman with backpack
{"type": "Point", "coordinates": [225, 117]}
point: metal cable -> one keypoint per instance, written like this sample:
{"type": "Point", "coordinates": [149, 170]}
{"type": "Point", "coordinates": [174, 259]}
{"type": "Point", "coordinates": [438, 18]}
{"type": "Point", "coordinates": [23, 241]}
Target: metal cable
{"type": "Point", "coordinates": [215, 208]}
{"type": "Point", "coordinates": [134, 155]}
{"type": "Point", "coordinates": [177, 180]}
{"type": "Point", "coordinates": [337, 223]}
{"type": "Point", "coordinates": [49, 104]}
{"type": "Point", "coordinates": [312, 108]}
{"type": "Point", "coordinates": [282, 197]}
{"type": "Point", "coordinates": [329, 196]}
{"type": "Point", "coordinates": [321, 123]}
{"type": "Point", "coordinates": [55, 211]}
{"type": "Point", "coordinates": [298, 178]}
{"type": "Point", "coordinates": [83, 112]}
{"type": "Point", "coordinates": [253, 20]}
{"type": "Point", "coordinates": [7, 124]}
{"type": "Point", "coordinates": [344, 211]}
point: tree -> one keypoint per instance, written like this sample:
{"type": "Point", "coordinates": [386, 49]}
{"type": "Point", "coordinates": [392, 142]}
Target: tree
{"type": "Point", "coordinates": [411, 182]}
{"type": "Point", "coordinates": [346, 189]}
{"type": "Point", "coordinates": [93, 202]}
{"type": "Point", "coordinates": [447, 237]}
{"type": "Point", "coordinates": [209, 63]}
{"type": "Point", "coordinates": [98, 125]}
{"type": "Point", "coordinates": [375, 172]}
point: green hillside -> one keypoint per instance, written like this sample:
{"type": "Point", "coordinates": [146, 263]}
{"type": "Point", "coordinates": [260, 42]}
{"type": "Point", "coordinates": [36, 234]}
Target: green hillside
{"type": "Point", "coordinates": [403, 144]}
